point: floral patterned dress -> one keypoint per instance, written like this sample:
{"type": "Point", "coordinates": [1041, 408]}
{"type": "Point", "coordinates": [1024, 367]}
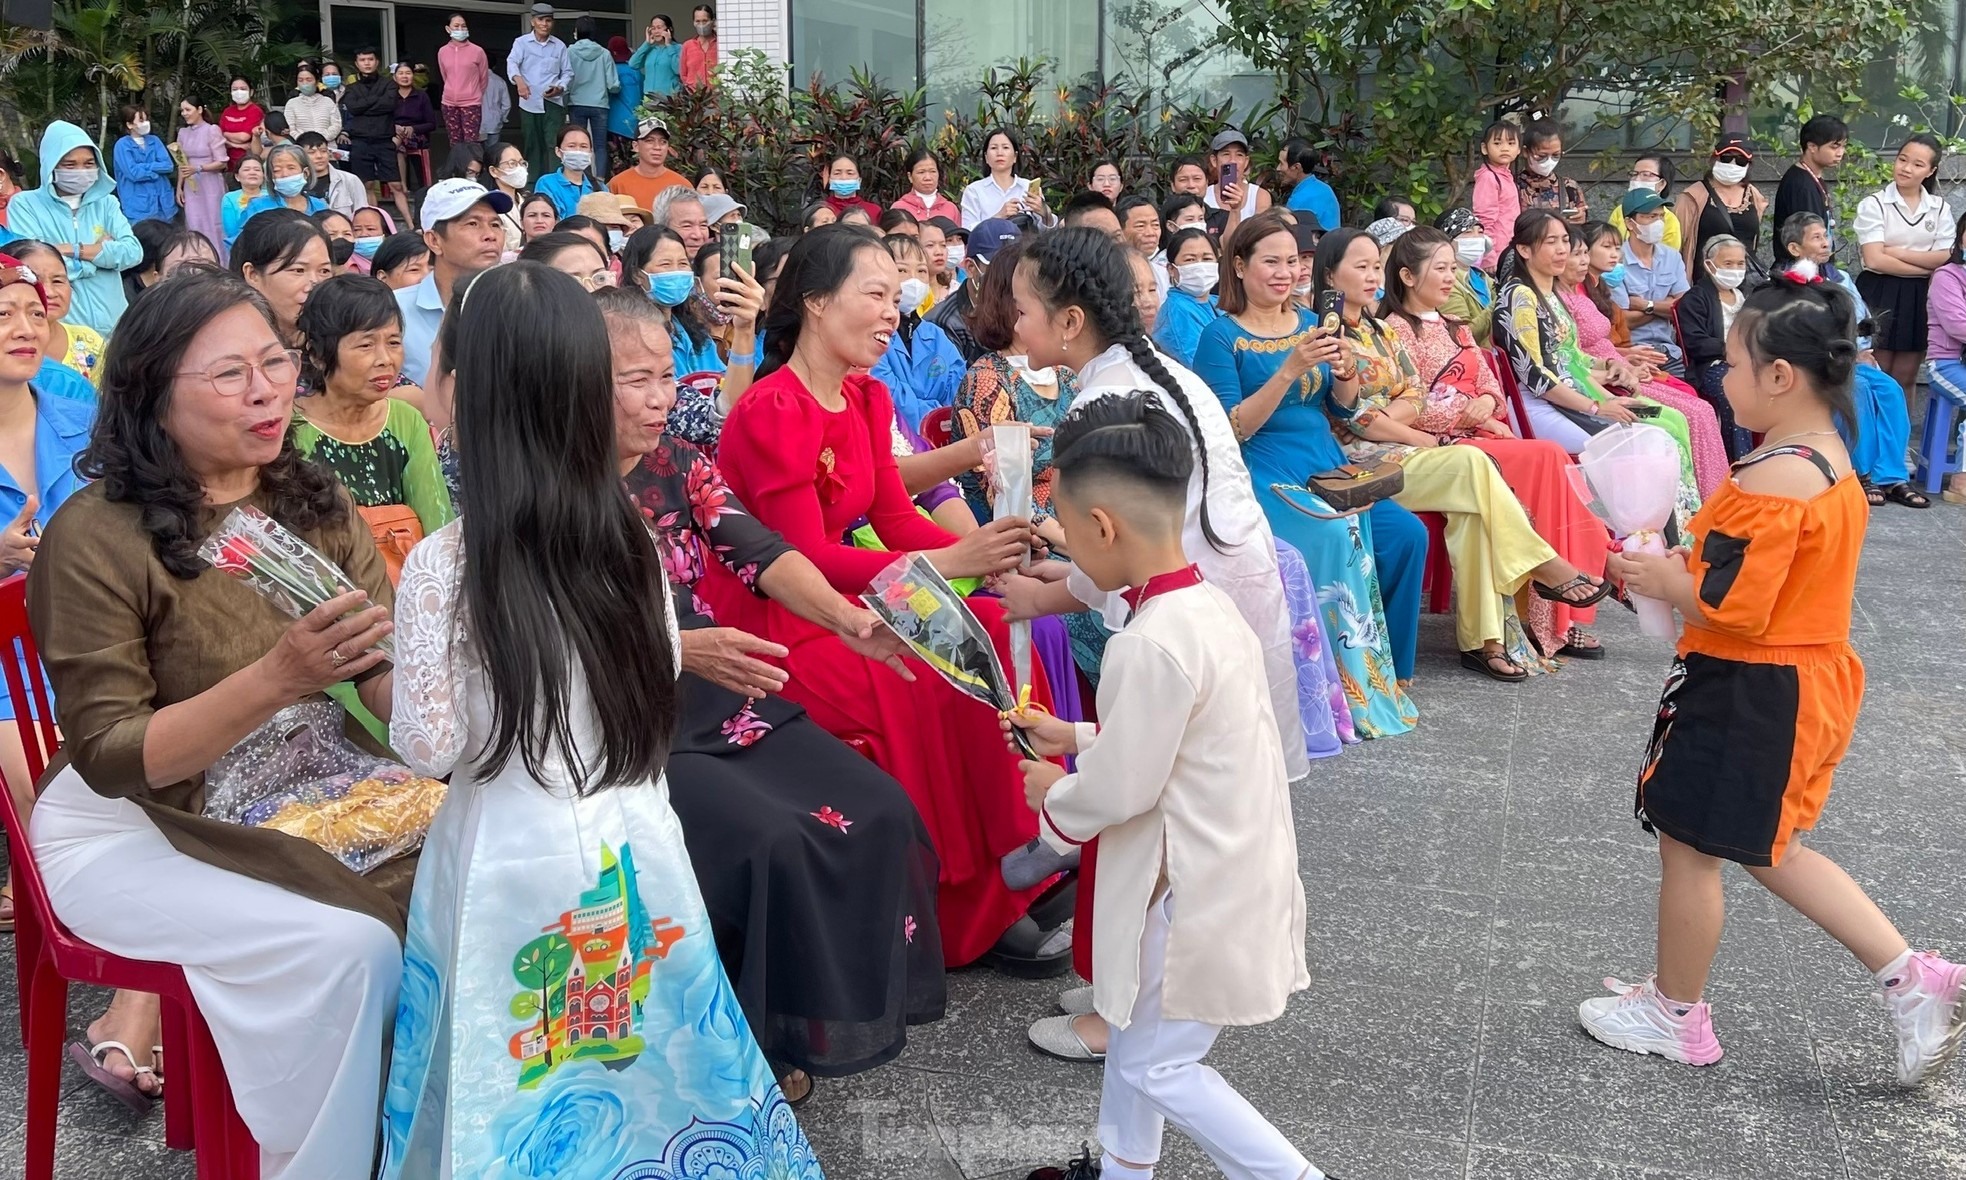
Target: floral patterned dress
{"type": "Point", "coordinates": [806, 853]}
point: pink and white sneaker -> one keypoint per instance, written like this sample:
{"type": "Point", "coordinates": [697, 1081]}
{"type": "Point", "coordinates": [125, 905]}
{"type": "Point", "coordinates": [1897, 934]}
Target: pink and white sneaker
{"type": "Point", "coordinates": [1927, 1002]}
{"type": "Point", "coordinates": [1640, 1020]}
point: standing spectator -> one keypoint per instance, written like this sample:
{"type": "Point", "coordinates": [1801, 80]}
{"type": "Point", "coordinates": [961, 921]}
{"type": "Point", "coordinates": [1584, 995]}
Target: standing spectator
{"type": "Point", "coordinates": [1245, 198]}
{"type": "Point", "coordinates": [1654, 173]}
{"type": "Point", "coordinates": [146, 175]}
{"type": "Point", "coordinates": [1824, 138]}
{"type": "Point", "coordinates": [700, 52]}
{"type": "Point", "coordinates": [75, 211]}
{"type": "Point", "coordinates": [466, 72]}
{"type": "Point", "coordinates": [1905, 230]}
{"type": "Point", "coordinates": [342, 191]}
{"type": "Point", "coordinates": [368, 113]}
{"type": "Point", "coordinates": [623, 117]}
{"type": "Point", "coordinates": [1307, 193]}
{"type": "Point", "coordinates": [414, 119]}
{"type": "Point", "coordinates": [1654, 278]}
{"type": "Point", "coordinates": [496, 109]}
{"type": "Point", "coordinates": [659, 58]}
{"type": "Point", "coordinates": [242, 121]}
{"type": "Point", "coordinates": [1537, 183]}
{"type": "Point", "coordinates": [1723, 203]}
{"type": "Point", "coordinates": [309, 109]}
{"type": "Point", "coordinates": [924, 197]}
{"type": "Point", "coordinates": [651, 173]}
{"type": "Point", "coordinates": [540, 71]}
{"type": "Point", "coordinates": [593, 83]}
{"type": "Point", "coordinates": [1497, 199]}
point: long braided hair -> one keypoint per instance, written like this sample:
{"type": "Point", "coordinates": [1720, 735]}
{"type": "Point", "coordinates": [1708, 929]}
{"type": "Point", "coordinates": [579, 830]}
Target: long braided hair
{"type": "Point", "coordinates": [1083, 268]}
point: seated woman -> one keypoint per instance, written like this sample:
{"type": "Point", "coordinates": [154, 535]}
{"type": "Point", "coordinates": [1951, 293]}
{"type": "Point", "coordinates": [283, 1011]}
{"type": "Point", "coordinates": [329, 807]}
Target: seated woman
{"type": "Point", "coordinates": [809, 450]}
{"type": "Point", "coordinates": [1595, 249]}
{"type": "Point", "coordinates": [1193, 271]}
{"type": "Point", "coordinates": [921, 367]}
{"type": "Point", "coordinates": [1883, 426]}
{"type": "Point", "coordinates": [1460, 402]}
{"type": "Point", "coordinates": [1563, 395]}
{"type": "Point", "coordinates": [656, 261]}
{"type": "Point", "coordinates": [1473, 301]}
{"type": "Point", "coordinates": [1270, 363]}
{"type": "Point", "coordinates": [283, 256]}
{"type": "Point", "coordinates": [1493, 549]}
{"type": "Point", "coordinates": [162, 665]}
{"type": "Point", "coordinates": [356, 422]}
{"type": "Point", "coordinates": [1703, 317]}
{"type": "Point", "coordinates": [75, 345]}
{"type": "Point", "coordinates": [287, 171]}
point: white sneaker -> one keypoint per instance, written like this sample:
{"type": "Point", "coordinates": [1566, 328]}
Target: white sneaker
{"type": "Point", "coordinates": [1640, 1020]}
{"type": "Point", "coordinates": [1925, 1004]}
{"type": "Point", "coordinates": [1076, 1001]}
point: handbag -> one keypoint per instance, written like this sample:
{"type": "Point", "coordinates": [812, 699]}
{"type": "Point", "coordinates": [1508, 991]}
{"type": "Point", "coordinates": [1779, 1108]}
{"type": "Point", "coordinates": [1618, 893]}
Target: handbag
{"type": "Point", "coordinates": [396, 529]}
{"type": "Point", "coordinates": [1346, 490]}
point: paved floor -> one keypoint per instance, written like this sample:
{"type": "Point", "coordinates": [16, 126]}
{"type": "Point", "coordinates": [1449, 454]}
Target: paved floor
{"type": "Point", "coordinates": [1469, 883]}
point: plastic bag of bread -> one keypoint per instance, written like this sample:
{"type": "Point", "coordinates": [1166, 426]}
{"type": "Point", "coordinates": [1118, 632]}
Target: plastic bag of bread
{"type": "Point", "coordinates": [299, 774]}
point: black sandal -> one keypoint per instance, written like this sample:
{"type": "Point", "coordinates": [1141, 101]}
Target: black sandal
{"type": "Point", "coordinates": [1560, 594]}
{"type": "Point", "coordinates": [804, 1095]}
{"type": "Point", "coordinates": [1484, 662]}
{"type": "Point", "coordinates": [1016, 954]}
{"type": "Point", "coordinates": [1905, 494]}
{"type": "Point", "coordinates": [1573, 650]}
{"type": "Point", "coordinates": [1872, 493]}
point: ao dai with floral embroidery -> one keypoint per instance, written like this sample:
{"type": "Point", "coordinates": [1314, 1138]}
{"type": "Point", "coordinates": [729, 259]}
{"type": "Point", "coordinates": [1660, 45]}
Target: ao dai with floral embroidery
{"type": "Point", "coordinates": [563, 1010]}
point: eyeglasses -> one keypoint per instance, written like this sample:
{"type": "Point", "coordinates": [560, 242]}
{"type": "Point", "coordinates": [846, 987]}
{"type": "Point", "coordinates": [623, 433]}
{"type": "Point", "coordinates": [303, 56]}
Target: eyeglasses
{"type": "Point", "coordinates": [233, 378]}
{"type": "Point", "coordinates": [597, 280]}
{"type": "Point", "coordinates": [1647, 176]}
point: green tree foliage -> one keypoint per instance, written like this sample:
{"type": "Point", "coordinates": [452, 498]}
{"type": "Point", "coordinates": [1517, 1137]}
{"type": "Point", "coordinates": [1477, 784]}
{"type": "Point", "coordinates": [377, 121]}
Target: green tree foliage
{"type": "Point", "coordinates": [1397, 93]}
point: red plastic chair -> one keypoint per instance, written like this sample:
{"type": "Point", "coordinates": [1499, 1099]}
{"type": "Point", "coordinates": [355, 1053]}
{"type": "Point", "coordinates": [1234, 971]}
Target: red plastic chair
{"type": "Point", "coordinates": [1518, 413]}
{"type": "Point", "coordinates": [939, 426]}
{"type": "Point", "coordinates": [1438, 578]}
{"type": "Point", "coordinates": [200, 1112]}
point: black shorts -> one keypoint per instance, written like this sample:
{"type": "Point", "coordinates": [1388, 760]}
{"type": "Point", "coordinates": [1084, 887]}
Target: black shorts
{"type": "Point", "coordinates": [373, 159]}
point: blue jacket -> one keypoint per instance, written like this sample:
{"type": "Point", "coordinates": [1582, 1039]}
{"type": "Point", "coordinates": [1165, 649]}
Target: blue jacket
{"type": "Point", "coordinates": [627, 101]}
{"type": "Point", "coordinates": [661, 67]}
{"type": "Point", "coordinates": [59, 380]}
{"type": "Point", "coordinates": [98, 299]}
{"type": "Point", "coordinates": [564, 194]}
{"type": "Point", "coordinates": [1178, 327]}
{"type": "Point", "coordinates": [146, 178]}
{"type": "Point", "coordinates": [261, 204]}
{"type": "Point", "coordinates": [61, 430]}
{"type": "Point", "coordinates": [594, 79]}
{"type": "Point", "coordinates": [921, 376]}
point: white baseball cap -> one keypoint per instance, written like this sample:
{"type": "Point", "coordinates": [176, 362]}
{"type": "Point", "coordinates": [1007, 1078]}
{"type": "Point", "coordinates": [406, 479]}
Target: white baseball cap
{"type": "Point", "coordinates": [452, 198]}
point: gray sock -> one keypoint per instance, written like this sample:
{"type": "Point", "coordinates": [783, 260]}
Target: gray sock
{"type": "Point", "coordinates": [1035, 862]}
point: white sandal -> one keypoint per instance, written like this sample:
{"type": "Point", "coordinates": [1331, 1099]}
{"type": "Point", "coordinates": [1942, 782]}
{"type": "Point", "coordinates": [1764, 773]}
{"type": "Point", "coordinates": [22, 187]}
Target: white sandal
{"type": "Point", "coordinates": [89, 1059]}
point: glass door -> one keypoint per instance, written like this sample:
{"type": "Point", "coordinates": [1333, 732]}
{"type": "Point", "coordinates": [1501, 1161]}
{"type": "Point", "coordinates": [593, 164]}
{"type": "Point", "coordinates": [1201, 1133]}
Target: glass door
{"type": "Point", "coordinates": [361, 24]}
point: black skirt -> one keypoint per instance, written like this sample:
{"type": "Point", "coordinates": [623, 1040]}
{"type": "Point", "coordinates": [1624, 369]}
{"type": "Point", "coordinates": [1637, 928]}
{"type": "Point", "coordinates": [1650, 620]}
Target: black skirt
{"type": "Point", "coordinates": [819, 879]}
{"type": "Point", "coordinates": [1897, 305]}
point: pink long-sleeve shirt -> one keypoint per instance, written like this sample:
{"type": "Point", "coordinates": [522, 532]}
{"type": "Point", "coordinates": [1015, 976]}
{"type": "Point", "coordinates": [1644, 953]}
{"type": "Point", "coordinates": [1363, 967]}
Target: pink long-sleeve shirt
{"type": "Point", "coordinates": [464, 70]}
{"type": "Point", "coordinates": [1945, 313]}
{"type": "Point", "coordinates": [1496, 205]}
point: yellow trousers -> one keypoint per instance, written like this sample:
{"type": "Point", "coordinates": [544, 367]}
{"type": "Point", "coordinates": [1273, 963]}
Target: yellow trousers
{"type": "Point", "coordinates": [1490, 542]}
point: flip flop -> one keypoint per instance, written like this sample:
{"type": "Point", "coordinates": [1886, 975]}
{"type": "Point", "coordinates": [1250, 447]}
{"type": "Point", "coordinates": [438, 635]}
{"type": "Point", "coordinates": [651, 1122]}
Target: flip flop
{"type": "Point", "coordinates": [1560, 594]}
{"type": "Point", "coordinates": [88, 1059]}
{"type": "Point", "coordinates": [805, 1095]}
{"type": "Point", "coordinates": [1908, 496]}
{"type": "Point", "coordinates": [7, 922]}
{"type": "Point", "coordinates": [1484, 663]}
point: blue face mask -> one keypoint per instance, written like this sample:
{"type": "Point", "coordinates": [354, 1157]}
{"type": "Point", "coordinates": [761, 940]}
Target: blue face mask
{"type": "Point", "coordinates": [290, 186]}
{"type": "Point", "coordinates": [671, 287]}
{"type": "Point", "coordinates": [367, 247]}
{"type": "Point", "coordinates": [1615, 277]}
{"type": "Point", "coordinates": [332, 81]}
{"type": "Point", "coordinates": [843, 188]}
{"type": "Point", "coordinates": [1380, 295]}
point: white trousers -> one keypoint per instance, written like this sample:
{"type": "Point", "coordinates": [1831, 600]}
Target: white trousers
{"type": "Point", "coordinates": [1154, 1076]}
{"type": "Point", "coordinates": [1547, 422]}
{"type": "Point", "coordinates": [298, 995]}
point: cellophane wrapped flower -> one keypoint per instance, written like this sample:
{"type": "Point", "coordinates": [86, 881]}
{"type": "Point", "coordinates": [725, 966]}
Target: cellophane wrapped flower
{"type": "Point", "coordinates": [920, 606]}
{"type": "Point", "coordinates": [291, 574]}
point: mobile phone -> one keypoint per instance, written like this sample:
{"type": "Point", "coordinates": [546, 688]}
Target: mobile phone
{"type": "Point", "coordinates": [1231, 175]}
{"type": "Point", "coordinates": [730, 236]}
{"type": "Point", "coordinates": [1647, 411]}
{"type": "Point", "coordinates": [1331, 308]}
{"type": "Point", "coordinates": [745, 237]}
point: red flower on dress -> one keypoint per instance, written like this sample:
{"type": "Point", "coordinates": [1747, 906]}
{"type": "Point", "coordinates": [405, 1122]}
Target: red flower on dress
{"type": "Point", "coordinates": [236, 556]}
{"type": "Point", "coordinates": [826, 815]}
{"type": "Point", "coordinates": [709, 499]}
{"type": "Point", "coordinates": [832, 485]}
{"type": "Point", "coordinates": [746, 728]}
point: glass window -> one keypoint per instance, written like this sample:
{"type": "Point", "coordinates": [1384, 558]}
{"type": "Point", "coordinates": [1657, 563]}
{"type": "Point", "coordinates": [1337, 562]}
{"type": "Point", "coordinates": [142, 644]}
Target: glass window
{"type": "Point", "coordinates": [835, 37]}
{"type": "Point", "coordinates": [1169, 47]}
{"type": "Point", "coordinates": [962, 40]}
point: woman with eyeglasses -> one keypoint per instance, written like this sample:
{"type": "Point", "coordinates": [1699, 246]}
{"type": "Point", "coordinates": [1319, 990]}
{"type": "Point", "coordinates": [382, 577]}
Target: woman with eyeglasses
{"type": "Point", "coordinates": [163, 665]}
{"type": "Point", "coordinates": [572, 254]}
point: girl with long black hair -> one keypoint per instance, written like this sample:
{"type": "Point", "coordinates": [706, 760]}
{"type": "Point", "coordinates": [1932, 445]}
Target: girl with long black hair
{"type": "Point", "coordinates": [557, 940]}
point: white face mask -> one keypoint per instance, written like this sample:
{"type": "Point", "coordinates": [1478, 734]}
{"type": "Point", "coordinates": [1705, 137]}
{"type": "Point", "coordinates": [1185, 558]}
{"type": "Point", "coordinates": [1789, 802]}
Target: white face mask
{"type": "Point", "coordinates": [73, 182]}
{"type": "Point", "coordinates": [956, 253]}
{"type": "Point", "coordinates": [516, 175]}
{"type": "Point", "coordinates": [140, 128]}
{"type": "Point", "coordinates": [1544, 167]}
{"type": "Point", "coordinates": [1651, 233]}
{"type": "Point", "coordinates": [1731, 278]}
{"type": "Point", "coordinates": [616, 240]}
{"type": "Point", "coordinates": [242, 97]}
{"type": "Point", "coordinates": [1195, 278]}
{"type": "Point", "coordinates": [1470, 251]}
{"type": "Point", "coordinates": [913, 291]}
{"type": "Point", "coordinates": [1303, 288]}
{"type": "Point", "coordinates": [576, 160]}
{"type": "Point", "coordinates": [1730, 173]}
{"type": "Point", "coordinates": [1644, 186]}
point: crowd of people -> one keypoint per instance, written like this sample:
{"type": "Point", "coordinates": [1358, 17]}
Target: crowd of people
{"type": "Point", "coordinates": [612, 466]}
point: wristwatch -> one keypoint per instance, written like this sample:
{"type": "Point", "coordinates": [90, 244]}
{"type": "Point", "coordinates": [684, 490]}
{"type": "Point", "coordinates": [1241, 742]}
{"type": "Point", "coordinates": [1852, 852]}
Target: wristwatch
{"type": "Point", "coordinates": [1649, 305]}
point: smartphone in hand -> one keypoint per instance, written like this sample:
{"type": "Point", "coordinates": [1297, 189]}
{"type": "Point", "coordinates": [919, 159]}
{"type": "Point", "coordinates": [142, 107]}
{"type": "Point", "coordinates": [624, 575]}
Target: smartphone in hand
{"type": "Point", "coordinates": [730, 237]}
{"type": "Point", "coordinates": [1331, 309]}
{"type": "Point", "coordinates": [1231, 176]}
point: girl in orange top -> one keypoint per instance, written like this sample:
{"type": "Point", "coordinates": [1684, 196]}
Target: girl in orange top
{"type": "Point", "coordinates": [1761, 703]}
